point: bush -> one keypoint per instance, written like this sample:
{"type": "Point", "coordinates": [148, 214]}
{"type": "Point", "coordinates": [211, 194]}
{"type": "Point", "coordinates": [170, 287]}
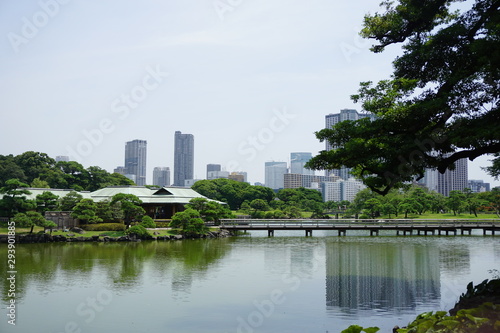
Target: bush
{"type": "Point", "coordinates": [104, 227]}
{"type": "Point", "coordinates": [148, 222]}
{"type": "Point", "coordinates": [162, 224]}
{"type": "Point", "coordinates": [139, 231]}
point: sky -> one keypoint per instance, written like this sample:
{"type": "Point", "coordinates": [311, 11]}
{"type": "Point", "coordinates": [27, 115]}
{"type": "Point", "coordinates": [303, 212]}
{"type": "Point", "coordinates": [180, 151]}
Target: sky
{"type": "Point", "coordinates": [251, 80]}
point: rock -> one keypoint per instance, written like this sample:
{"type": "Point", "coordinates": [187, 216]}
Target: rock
{"type": "Point", "coordinates": [77, 230]}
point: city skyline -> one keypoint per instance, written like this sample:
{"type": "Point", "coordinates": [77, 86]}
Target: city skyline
{"type": "Point", "coordinates": [252, 83]}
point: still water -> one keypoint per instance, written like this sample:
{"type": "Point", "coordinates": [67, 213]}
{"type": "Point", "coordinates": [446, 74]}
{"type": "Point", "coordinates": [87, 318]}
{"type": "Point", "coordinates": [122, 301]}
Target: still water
{"type": "Point", "coordinates": [288, 283]}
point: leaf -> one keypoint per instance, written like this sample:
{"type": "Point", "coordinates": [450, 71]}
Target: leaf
{"type": "Point", "coordinates": [449, 323]}
{"type": "Point", "coordinates": [353, 329]}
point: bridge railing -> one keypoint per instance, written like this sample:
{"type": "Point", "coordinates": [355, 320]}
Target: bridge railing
{"type": "Point", "coordinates": [413, 223]}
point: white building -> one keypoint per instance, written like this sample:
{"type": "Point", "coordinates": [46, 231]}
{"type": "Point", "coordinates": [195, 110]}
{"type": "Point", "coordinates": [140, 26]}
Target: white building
{"type": "Point", "coordinates": [341, 190]}
{"type": "Point", "coordinates": [275, 174]}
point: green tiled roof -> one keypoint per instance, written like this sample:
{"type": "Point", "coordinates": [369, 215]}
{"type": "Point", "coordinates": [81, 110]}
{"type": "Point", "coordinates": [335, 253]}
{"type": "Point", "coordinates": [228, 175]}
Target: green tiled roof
{"type": "Point", "coordinates": [165, 195]}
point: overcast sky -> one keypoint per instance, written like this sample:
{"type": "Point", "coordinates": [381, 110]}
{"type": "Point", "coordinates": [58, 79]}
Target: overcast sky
{"type": "Point", "coordinates": [252, 80]}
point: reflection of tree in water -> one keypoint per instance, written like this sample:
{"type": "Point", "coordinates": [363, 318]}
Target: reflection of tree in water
{"type": "Point", "coordinates": [186, 260]}
{"type": "Point", "coordinates": [49, 266]}
{"type": "Point", "coordinates": [383, 276]}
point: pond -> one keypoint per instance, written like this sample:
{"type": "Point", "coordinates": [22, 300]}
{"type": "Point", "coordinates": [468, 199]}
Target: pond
{"type": "Point", "coordinates": [251, 283]}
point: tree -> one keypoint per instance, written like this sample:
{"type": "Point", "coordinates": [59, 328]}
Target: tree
{"type": "Point", "coordinates": [409, 205]}
{"type": "Point", "coordinates": [34, 164]}
{"type": "Point", "coordinates": [70, 200]}
{"type": "Point", "coordinates": [38, 183]}
{"type": "Point", "coordinates": [31, 219]}
{"type": "Point", "coordinates": [456, 201]}
{"type": "Point", "coordinates": [210, 210]}
{"type": "Point", "coordinates": [373, 207]}
{"type": "Point", "coordinates": [85, 211]}
{"type": "Point", "coordinates": [440, 105]}
{"type": "Point", "coordinates": [189, 222]}
{"type": "Point", "coordinates": [46, 201]}
{"type": "Point", "coordinates": [472, 201]}
{"type": "Point", "coordinates": [259, 205]}
{"type": "Point", "coordinates": [14, 197]}
{"type": "Point", "coordinates": [10, 170]}
{"type": "Point", "coordinates": [130, 205]}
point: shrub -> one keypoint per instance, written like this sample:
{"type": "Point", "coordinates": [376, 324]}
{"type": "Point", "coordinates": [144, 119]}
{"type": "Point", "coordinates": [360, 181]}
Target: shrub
{"type": "Point", "coordinates": [162, 224]}
{"type": "Point", "coordinates": [104, 227]}
{"type": "Point", "coordinates": [139, 231]}
{"type": "Point", "coordinates": [148, 222]}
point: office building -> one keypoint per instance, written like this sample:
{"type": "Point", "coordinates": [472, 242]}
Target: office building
{"type": "Point", "coordinates": [275, 174]}
{"type": "Point", "coordinates": [298, 161]}
{"type": "Point", "coordinates": [135, 161]}
{"type": "Point", "coordinates": [62, 158]}
{"type": "Point", "coordinates": [161, 176]}
{"type": "Point", "coordinates": [183, 158]}
{"type": "Point", "coordinates": [213, 167]}
{"type": "Point", "coordinates": [217, 174]}
{"type": "Point", "coordinates": [450, 180]}
{"type": "Point", "coordinates": [238, 176]}
{"type": "Point", "coordinates": [478, 186]}
{"type": "Point", "coordinates": [333, 119]}
{"type": "Point", "coordinates": [296, 180]}
{"type": "Point", "coordinates": [340, 189]}
{"type": "Point", "coordinates": [120, 170]}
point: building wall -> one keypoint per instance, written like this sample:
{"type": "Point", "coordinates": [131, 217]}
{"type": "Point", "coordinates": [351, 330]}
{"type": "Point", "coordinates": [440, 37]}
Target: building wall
{"type": "Point", "coordinates": [297, 162]}
{"type": "Point", "coordinates": [183, 158]}
{"type": "Point", "coordinates": [334, 118]}
{"type": "Point", "coordinates": [161, 176]}
{"type": "Point", "coordinates": [213, 167]}
{"type": "Point", "coordinates": [274, 174]}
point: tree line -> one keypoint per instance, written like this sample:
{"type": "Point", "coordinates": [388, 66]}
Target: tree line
{"type": "Point", "coordinates": [39, 170]}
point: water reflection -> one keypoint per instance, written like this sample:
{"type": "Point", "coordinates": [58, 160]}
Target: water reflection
{"type": "Point", "coordinates": [386, 277]}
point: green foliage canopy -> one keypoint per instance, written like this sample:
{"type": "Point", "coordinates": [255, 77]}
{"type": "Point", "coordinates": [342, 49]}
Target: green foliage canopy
{"type": "Point", "coordinates": [439, 106]}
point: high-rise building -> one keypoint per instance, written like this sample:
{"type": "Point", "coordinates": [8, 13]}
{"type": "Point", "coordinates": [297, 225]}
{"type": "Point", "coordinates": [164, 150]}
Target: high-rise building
{"type": "Point", "coordinates": [333, 119]}
{"type": "Point", "coordinates": [183, 158]}
{"type": "Point", "coordinates": [275, 174]}
{"type": "Point", "coordinates": [135, 161]}
{"type": "Point", "coordinates": [62, 158]}
{"type": "Point", "coordinates": [450, 180]}
{"type": "Point", "coordinates": [161, 176]}
{"type": "Point", "coordinates": [213, 167]}
{"type": "Point", "coordinates": [298, 161]}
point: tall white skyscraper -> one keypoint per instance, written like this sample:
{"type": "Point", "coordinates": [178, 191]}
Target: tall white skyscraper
{"type": "Point", "coordinates": [275, 174]}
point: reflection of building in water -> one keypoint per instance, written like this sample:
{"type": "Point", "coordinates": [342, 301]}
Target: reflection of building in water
{"type": "Point", "coordinates": [455, 260]}
{"type": "Point", "coordinates": [381, 276]}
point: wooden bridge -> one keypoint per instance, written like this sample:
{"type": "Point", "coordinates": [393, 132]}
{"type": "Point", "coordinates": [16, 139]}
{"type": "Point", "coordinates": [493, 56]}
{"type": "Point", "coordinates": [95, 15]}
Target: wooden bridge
{"type": "Point", "coordinates": [400, 226]}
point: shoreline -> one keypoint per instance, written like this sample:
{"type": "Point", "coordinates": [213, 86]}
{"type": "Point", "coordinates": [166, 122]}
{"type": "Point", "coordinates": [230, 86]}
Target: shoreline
{"type": "Point", "coordinates": [71, 238]}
